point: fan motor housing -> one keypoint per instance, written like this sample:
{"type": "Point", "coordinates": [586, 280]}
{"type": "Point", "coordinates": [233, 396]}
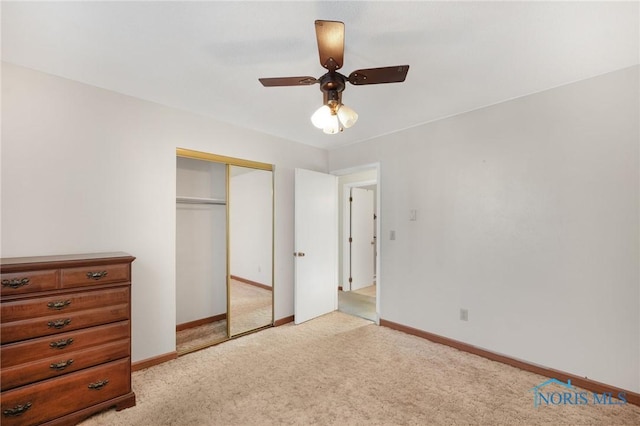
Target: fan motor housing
{"type": "Point", "coordinates": [332, 81]}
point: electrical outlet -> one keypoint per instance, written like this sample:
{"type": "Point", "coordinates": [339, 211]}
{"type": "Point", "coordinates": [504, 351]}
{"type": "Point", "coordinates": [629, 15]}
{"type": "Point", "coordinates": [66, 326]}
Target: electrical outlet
{"type": "Point", "coordinates": [464, 314]}
{"type": "Point", "coordinates": [413, 215]}
{"type": "Point", "coordinates": [392, 235]}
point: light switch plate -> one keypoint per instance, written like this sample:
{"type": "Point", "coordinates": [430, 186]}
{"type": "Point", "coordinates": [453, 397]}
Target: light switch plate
{"type": "Point", "coordinates": [464, 314]}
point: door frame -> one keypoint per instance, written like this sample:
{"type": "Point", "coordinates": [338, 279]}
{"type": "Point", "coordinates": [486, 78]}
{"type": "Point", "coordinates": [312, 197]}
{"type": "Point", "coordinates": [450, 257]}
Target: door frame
{"type": "Point", "coordinates": [357, 169]}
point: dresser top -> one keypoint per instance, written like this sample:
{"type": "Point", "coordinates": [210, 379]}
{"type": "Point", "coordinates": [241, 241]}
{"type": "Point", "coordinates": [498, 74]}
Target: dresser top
{"type": "Point", "coordinates": [67, 259]}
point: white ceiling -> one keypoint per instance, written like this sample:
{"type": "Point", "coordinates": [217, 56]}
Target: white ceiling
{"type": "Point", "coordinates": [206, 57]}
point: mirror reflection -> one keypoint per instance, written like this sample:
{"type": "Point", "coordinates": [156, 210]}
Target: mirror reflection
{"type": "Point", "coordinates": [250, 249]}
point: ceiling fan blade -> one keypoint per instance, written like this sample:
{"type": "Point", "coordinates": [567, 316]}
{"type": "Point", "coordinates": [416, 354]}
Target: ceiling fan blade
{"type": "Point", "coordinates": [395, 74]}
{"type": "Point", "coordinates": [288, 81]}
{"type": "Point", "coordinates": [330, 35]}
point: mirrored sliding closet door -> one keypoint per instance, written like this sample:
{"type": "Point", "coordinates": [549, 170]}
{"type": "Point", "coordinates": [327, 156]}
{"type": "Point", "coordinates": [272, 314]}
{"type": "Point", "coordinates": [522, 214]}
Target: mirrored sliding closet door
{"type": "Point", "coordinates": [250, 249]}
{"type": "Point", "coordinates": [224, 248]}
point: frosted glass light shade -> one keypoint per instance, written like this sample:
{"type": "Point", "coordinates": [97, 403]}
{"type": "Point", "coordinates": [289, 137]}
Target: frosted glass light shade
{"type": "Point", "coordinates": [322, 118]}
{"type": "Point", "coordinates": [347, 116]}
{"type": "Point", "coordinates": [333, 126]}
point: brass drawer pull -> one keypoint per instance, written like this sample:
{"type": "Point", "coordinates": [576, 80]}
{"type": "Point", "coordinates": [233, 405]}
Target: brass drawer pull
{"type": "Point", "coordinates": [59, 305]}
{"type": "Point", "coordinates": [61, 344]}
{"type": "Point", "coordinates": [17, 410]}
{"type": "Point", "coordinates": [15, 282]}
{"type": "Point", "coordinates": [99, 384]}
{"type": "Point", "coordinates": [59, 366]}
{"type": "Point", "coordinates": [96, 275]}
{"type": "Point", "coordinates": [59, 323]}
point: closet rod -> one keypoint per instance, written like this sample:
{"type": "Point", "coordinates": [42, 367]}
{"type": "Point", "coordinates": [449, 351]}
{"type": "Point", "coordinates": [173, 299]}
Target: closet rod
{"type": "Point", "coordinates": [197, 200]}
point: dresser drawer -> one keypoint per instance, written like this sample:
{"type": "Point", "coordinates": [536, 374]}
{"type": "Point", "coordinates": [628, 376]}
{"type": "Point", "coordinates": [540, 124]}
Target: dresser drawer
{"type": "Point", "coordinates": [53, 398]}
{"type": "Point", "coordinates": [57, 365]}
{"type": "Point", "coordinates": [13, 354]}
{"type": "Point", "coordinates": [29, 282]}
{"type": "Point", "coordinates": [62, 304]}
{"type": "Point", "coordinates": [92, 275]}
{"type": "Point", "coordinates": [61, 322]}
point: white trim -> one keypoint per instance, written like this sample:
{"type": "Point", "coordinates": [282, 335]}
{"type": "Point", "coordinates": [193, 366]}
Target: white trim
{"type": "Point", "coordinates": [360, 184]}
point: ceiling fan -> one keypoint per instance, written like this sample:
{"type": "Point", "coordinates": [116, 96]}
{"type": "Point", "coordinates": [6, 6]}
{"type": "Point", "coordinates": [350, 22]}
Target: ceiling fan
{"type": "Point", "coordinates": [333, 116]}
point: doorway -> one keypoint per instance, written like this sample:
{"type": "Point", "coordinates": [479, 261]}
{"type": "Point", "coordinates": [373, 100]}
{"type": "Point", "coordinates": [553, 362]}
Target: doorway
{"type": "Point", "coordinates": [357, 291]}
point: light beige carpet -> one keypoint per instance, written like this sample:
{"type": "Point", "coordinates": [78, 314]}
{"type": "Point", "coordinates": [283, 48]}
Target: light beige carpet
{"type": "Point", "coordinates": [343, 370]}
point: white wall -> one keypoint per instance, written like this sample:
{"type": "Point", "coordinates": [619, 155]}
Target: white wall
{"type": "Point", "coordinates": [89, 170]}
{"type": "Point", "coordinates": [201, 241]}
{"type": "Point", "coordinates": [251, 230]}
{"type": "Point", "coordinates": [528, 216]}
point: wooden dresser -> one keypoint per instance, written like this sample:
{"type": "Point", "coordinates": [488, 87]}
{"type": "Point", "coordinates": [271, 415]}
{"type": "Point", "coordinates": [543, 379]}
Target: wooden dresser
{"type": "Point", "coordinates": [66, 337]}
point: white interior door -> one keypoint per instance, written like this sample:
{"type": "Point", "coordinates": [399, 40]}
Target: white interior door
{"type": "Point", "coordinates": [316, 244]}
{"type": "Point", "coordinates": [362, 241]}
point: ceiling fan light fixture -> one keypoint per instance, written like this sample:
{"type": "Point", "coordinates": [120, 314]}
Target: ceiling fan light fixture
{"type": "Point", "coordinates": [333, 117]}
{"type": "Point", "coordinates": [347, 116]}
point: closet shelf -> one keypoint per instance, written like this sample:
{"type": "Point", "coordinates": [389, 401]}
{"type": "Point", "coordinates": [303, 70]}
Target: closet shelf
{"type": "Point", "coordinates": [198, 200]}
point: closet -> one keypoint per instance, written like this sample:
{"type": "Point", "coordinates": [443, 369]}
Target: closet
{"type": "Point", "coordinates": [224, 248]}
